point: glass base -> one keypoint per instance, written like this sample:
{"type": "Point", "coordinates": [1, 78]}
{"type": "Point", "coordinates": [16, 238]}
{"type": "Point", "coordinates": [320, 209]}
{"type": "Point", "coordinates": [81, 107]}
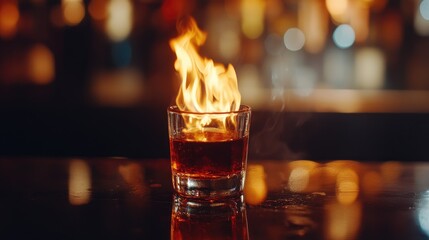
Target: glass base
{"type": "Point", "coordinates": [208, 188]}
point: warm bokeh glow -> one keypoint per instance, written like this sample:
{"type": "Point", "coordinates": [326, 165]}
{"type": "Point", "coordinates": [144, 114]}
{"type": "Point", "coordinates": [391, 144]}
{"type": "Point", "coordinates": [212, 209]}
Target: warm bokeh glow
{"type": "Point", "coordinates": [369, 68]}
{"type": "Point", "coordinates": [347, 186]}
{"type": "Point", "coordinates": [252, 18]}
{"type": "Point", "coordinates": [9, 17]}
{"type": "Point", "coordinates": [41, 64]}
{"type": "Point", "coordinates": [338, 10]}
{"type": "Point", "coordinates": [299, 176]}
{"type": "Point", "coordinates": [255, 188]}
{"type": "Point", "coordinates": [79, 184]}
{"type": "Point", "coordinates": [360, 21]}
{"type": "Point", "coordinates": [313, 20]}
{"type": "Point", "coordinates": [98, 9]}
{"type": "Point", "coordinates": [120, 19]}
{"type": "Point", "coordinates": [73, 11]}
{"type": "Point", "coordinates": [299, 179]}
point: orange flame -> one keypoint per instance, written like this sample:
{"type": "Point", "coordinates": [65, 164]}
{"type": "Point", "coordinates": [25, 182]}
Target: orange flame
{"type": "Point", "coordinates": [206, 87]}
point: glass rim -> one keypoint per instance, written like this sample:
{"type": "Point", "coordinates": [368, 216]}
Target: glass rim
{"type": "Point", "coordinates": [243, 109]}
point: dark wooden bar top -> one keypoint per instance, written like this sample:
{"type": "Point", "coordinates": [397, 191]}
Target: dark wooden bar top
{"type": "Point", "coordinates": [119, 198]}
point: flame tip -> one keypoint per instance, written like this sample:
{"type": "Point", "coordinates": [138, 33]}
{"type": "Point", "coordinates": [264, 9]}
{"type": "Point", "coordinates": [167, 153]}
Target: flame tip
{"type": "Point", "coordinates": [206, 87]}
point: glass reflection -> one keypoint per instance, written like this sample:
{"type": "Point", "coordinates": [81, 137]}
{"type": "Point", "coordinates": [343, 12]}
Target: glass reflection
{"type": "Point", "coordinates": [223, 219]}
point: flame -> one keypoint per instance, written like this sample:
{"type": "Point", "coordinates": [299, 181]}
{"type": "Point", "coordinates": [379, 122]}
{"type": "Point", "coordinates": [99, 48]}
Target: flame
{"type": "Point", "coordinates": [207, 87]}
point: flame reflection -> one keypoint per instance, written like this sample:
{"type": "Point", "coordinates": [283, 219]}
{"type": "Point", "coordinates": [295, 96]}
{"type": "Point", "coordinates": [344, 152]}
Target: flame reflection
{"type": "Point", "coordinates": [79, 182]}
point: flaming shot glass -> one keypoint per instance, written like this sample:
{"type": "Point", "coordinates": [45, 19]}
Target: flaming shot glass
{"type": "Point", "coordinates": [208, 152]}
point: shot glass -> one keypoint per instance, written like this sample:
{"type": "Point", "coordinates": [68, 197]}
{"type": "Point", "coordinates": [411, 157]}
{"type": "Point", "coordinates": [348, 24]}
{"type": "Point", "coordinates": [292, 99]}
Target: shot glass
{"type": "Point", "coordinates": [208, 152]}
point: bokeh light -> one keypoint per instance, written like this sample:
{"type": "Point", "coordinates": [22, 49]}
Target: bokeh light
{"type": "Point", "coordinates": [338, 10]}
{"type": "Point", "coordinates": [369, 68]}
{"type": "Point", "coordinates": [314, 22]}
{"type": "Point", "coordinates": [347, 186]}
{"type": "Point", "coordinates": [41, 64]}
{"type": "Point", "coordinates": [424, 9]}
{"type": "Point", "coordinates": [9, 17]}
{"type": "Point", "coordinates": [98, 9]}
{"type": "Point", "coordinates": [344, 36]}
{"type": "Point", "coordinates": [73, 11]}
{"type": "Point", "coordinates": [120, 20]}
{"type": "Point", "coordinates": [294, 39]}
{"type": "Point", "coordinates": [252, 13]}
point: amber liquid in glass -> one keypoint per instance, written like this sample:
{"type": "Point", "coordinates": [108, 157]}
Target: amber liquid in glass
{"type": "Point", "coordinates": [209, 165]}
{"type": "Point", "coordinates": [209, 159]}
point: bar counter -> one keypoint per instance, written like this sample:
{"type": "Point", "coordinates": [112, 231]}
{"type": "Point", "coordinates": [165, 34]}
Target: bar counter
{"type": "Point", "coordinates": [120, 198]}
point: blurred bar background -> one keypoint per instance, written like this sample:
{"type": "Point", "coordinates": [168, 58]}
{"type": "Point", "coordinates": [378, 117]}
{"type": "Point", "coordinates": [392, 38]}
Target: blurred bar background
{"type": "Point", "coordinates": [327, 79]}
